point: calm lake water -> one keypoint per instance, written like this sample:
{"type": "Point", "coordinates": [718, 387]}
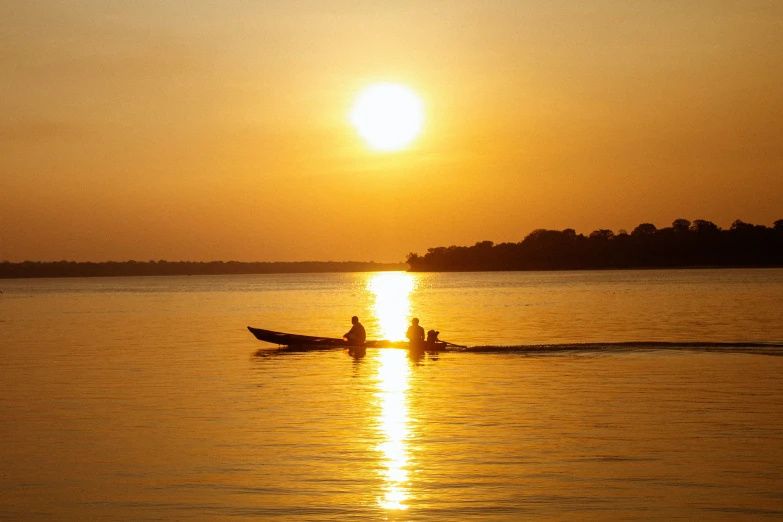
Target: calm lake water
{"type": "Point", "coordinates": [146, 398]}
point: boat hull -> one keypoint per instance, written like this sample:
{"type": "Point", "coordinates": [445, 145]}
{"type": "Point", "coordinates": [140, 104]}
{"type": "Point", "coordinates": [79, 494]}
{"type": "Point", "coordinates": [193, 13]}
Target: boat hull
{"type": "Point", "coordinates": [312, 342]}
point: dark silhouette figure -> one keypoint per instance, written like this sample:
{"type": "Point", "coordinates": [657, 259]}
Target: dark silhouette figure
{"type": "Point", "coordinates": [432, 337]}
{"type": "Point", "coordinates": [356, 335]}
{"type": "Point", "coordinates": [415, 333]}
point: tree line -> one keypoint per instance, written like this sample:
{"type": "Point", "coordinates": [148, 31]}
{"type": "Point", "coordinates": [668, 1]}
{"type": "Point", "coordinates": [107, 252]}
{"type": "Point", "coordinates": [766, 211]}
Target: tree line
{"type": "Point", "coordinates": [28, 269]}
{"type": "Point", "coordinates": [684, 244]}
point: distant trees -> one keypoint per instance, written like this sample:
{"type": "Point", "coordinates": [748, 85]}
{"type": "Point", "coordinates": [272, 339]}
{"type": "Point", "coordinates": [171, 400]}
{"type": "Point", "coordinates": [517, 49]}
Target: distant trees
{"type": "Point", "coordinates": [645, 229]}
{"type": "Point", "coordinates": [601, 235]}
{"type": "Point", "coordinates": [701, 226]}
{"type": "Point", "coordinates": [741, 225]}
{"type": "Point", "coordinates": [156, 268]}
{"type": "Point", "coordinates": [681, 225]}
{"type": "Point", "coordinates": [685, 243]}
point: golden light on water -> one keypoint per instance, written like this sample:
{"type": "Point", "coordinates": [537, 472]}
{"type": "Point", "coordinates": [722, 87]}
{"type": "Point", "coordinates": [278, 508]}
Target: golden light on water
{"type": "Point", "coordinates": [393, 421]}
{"type": "Point", "coordinates": [392, 306]}
{"type": "Point", "coordinates": [392, 292]}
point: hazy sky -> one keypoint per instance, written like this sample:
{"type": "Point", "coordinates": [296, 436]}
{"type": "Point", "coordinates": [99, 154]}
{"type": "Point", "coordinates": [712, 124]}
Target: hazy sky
{"type": "Point", "coordinates": [197, 130]}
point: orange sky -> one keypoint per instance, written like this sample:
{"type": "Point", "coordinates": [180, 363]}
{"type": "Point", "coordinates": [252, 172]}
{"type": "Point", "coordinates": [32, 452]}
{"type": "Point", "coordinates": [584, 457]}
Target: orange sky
{"type": "Point", "coordinates": [219, 130]}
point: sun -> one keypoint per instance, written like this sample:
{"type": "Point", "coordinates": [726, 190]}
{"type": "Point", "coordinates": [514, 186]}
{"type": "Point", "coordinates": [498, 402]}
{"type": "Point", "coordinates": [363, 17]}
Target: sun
{"type": "Point", "coordinates": [388, 116]}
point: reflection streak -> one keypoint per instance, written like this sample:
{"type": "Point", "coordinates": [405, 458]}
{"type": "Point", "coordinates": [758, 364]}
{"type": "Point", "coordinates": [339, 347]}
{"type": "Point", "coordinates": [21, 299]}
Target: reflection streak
{"type": "Point", "coordinates": [393, 420]}
{"type": "Point", "coordinates": [392, 305]}
{"type": "Point", "coordinates": [392, 302]}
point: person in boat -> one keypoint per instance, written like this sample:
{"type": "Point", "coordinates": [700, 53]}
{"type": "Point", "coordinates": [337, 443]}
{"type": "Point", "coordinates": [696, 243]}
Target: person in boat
{"type": "Point", "coordinates": [415, 333]}
{"type": "Point", "coordinates": [356, 335]}
{"type": "Point", "coordinates": [432, 337]}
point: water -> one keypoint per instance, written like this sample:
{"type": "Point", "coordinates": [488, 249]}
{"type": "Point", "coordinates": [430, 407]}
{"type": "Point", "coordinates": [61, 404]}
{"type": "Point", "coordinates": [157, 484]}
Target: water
{"type": "Point", "coordinates": [146, 398]}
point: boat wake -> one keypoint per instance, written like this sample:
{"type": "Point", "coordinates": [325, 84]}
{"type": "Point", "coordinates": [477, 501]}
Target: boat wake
{"type": "Point", "coordinates": [772, 348]}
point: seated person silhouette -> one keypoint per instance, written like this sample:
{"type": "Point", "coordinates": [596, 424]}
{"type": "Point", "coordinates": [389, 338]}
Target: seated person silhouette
{"type": "Point", "coordinates": [432, 337]}
{"type": "Point", "coordinates": [415, 333]}
{"type": "Point", "coordinates": [356, 335]}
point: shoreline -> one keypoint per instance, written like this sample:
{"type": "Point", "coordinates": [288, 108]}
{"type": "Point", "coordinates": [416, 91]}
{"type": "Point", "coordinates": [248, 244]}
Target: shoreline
{"type": "Point", "coordinates": [72, 269]}
{"type": "Point", "coordinates": [387, 267]}
{"type": "Point", "coordinates": [605, 269]}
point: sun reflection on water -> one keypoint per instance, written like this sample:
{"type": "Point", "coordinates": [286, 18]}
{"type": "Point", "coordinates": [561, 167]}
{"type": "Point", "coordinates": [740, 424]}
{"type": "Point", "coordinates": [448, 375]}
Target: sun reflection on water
{"type": "Point", "coordinates": [392, 292]}
{"type": "Point", "coordinates": [392, 305]}
{"type": "Point", "coordinates": [393, 420]}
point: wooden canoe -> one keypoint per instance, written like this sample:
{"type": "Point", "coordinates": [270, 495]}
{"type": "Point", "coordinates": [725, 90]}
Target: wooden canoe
{"type": "Point", "coordinates": [286, 339]}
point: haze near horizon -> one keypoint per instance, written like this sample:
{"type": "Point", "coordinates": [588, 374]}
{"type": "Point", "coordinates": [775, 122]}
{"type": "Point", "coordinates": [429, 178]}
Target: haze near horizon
{"type": "Point", "coordinates": [201, 131]}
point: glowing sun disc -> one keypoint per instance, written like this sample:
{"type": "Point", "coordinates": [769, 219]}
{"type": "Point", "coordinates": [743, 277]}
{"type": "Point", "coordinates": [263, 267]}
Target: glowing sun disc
{"type": "Point", "coordinates": [388, 116]}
